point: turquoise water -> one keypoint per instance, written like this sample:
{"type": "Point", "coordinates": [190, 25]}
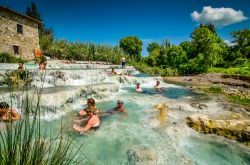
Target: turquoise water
{"type": "Point", "coordinates": [171, 144]}
{"type": "Point", "coordinates": [138, 138]}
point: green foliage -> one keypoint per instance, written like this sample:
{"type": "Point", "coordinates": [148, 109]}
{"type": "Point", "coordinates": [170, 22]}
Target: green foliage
{"type": "Point", "coordinates": [144, 68]}
{"type": "Point", "coordinates": [189, 48]}
{"type": "Point", "coordinates": [85, 51]}
{"type": "Point", "coordinates": [24, 142]}
{"type": "Point", "coordinates": [214, 89]}
{"type": "Point", "coordinates": [211, 27]}
{"type": "Point", "coordinates": [176, 56]}
{"type": "Point", "coordinates": [193, 66]}
{"type": "Point", "coordinates": [245, 71]}
{"type": "Point", "coordinates": [132, 46]}
{"type": "Point", "coordinates": [208, 44]}
{"type": "Point", "coordinates": [242, 41]}
{"type": "Point", "coordinates": [153, 47]}
{"type": "Point", "coordinates": [33, 12]}
{"type": "Point", "coordinates": [165, 44]}
{"type": "Point", "coordinates": [8, 58]}
{"type": "Point", "coordinates": [16, 77]}
{"type": "Point", "coordinates": [45, 42]}
{"type": "Point", "coordinates": [239, 100]}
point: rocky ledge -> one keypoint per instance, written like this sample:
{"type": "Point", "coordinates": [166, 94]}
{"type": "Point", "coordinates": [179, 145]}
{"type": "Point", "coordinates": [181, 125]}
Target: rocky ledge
{"type": "Point", "coordinates": [236, 129]}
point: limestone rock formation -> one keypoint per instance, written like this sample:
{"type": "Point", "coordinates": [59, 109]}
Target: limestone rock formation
{"type": "Point", "coordinates": [141, 156]}
{"type": "Point", "coordinates": [197, 105]}
{"type": "Point", "coordinates": [237, 129]}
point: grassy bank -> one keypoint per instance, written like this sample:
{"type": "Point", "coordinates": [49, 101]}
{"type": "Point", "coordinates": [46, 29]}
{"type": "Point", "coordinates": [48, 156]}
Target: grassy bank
{"type": "Point", "coordinates": [243, 71]}
{"type": "Point", "coordinates": [231, 98]}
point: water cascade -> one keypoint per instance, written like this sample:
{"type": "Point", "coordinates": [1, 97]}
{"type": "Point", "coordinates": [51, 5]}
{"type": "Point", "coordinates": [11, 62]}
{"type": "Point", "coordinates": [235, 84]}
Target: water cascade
{"type": "Point", "coordinates": [150, 134]}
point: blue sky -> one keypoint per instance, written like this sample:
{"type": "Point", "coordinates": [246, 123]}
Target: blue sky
{"type": "Point", "coordinates": [107, 21]}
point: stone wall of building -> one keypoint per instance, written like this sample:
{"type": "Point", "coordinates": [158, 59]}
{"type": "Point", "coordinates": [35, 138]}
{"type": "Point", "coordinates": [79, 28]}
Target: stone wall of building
{"type": "Point", "coordinates": [27, 42]}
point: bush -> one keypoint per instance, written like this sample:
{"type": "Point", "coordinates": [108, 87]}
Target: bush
{"type": "Point", "coordinates": [8, 58]}
{"type": "Point", "coordinates": [214, 90]}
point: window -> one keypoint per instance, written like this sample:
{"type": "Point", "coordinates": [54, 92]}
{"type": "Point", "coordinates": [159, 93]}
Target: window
{"type": "Point", "coordinates": [16, 49]}
{"type": "Point", "coordinates": [19, 28]}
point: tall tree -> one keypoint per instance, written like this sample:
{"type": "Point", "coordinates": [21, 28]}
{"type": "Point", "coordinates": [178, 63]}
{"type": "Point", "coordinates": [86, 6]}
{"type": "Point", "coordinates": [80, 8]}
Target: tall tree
{"type": "Point", "coordinates": [209, 45]}
{"type": "Point", "coordinates": [175, 56]}
{"type": "Point", "coordinates": [188, 47]}
{"type": "Point", "coordinates": [32, 12]}
{"type": "Point", "coordinates": [242, 42]}
{"type": "Point", "coordinates": [132, 46]}
{"type": "Point", "coordinates": [153, 46]}
{"type": "Point", "coordinates": [211, 27]}
{"type": "Point", "coordinates": [46, 36]}
{"type": "Point", "coordinates": [165, 44]}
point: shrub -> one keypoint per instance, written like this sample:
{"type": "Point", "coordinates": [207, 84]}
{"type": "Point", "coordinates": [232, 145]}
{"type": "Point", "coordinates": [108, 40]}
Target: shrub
{"type": "Point", "coordinates": [8, 58]}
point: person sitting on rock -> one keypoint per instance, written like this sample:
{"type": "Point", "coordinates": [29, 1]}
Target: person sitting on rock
{"type": "Point", "coordinates": [7, 114]}
{"type": "Point", "coordinates": [93, 122]}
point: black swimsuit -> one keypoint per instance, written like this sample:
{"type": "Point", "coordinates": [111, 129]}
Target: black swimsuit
{"type": "Point", "coordinates": [95, 128]}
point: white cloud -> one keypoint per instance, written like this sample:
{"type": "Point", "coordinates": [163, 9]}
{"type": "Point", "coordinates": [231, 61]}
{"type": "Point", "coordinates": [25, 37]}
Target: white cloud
{"type": "Point", "coordinates": [229, 43]}
{"type": "Point", "coordinates": [218, 16]}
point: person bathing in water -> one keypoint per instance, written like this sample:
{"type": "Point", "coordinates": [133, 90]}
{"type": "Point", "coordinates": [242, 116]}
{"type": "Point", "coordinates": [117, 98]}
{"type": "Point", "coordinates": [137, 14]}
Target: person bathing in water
{"type": "Point", "coordinates": [138, 88]}
{"type": "Point", "coordinates": [90, 105]}
{"type": "Point", "coordinates": [113, 72]}
{"type": "Point", "coordinates": [118, 109]}
{"type": "Point", "coordinates": [158, 86]}
{"type": "Point", "coordinates": [93, 122]}
{"type": "Point", "coordinates": [7, 114]}
{"type": "Point", "coordinates": [82, 114]}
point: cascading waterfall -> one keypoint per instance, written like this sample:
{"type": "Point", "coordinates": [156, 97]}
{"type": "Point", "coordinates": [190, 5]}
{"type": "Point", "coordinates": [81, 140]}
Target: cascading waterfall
{"type": "Point", "coordinates": [138, 138]}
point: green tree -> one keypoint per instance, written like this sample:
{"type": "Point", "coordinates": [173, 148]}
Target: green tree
{"type": "Point", "coordinates": [208, 44]}
{"type": "Point", "coordinates": [211, 27]}
{"type": "Point", "coordinates": [193, 66]}
{"type": "Point", "coordinates": [165, 44]}
{"type": "Point", "coordinates": [132, 46]}
{"type": "Point", "coordinates": [46, 36]}
{"type": "Point", "coordinates": [153, 46]}
{"type": "Point", "coordinates": [189, 48]}
{"type": "Point", "coordinates": [242, 41]}
{"type": "Point", "coordinates": [153, 58]}
{"type": "Point", "coordinates": [32, 12]}
{"type": "Point", "coordinates": [176, 56]}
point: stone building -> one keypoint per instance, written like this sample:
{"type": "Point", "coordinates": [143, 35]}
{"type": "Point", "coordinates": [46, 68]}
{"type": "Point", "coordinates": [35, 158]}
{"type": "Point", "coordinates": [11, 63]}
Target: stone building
{"type": "Point", "coordinates": [18, 33]}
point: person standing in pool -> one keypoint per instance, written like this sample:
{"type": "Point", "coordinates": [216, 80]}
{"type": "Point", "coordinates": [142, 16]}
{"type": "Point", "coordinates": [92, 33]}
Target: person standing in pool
{"type": "Point", "coordinates": [123, 62]}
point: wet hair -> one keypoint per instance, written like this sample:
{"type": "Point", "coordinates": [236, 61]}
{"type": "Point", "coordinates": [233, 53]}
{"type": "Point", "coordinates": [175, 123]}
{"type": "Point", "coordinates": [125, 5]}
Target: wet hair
{"type": "Point", "coordinates": [157, 81]}
{"type": "Point", "coordinates": [4, 105]}
{"type": "Point", "coordinates": [119, 101]}
{"type": "Point", "coordinates": [91, 101]}
{"type": "Point", "coordinates": [137, 83]}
